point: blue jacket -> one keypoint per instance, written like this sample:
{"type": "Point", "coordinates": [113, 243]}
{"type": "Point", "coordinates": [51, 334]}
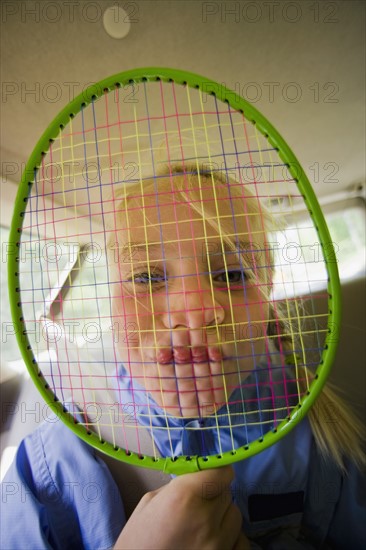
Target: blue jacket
{"type": "Point", "coordinates": [58, 494]}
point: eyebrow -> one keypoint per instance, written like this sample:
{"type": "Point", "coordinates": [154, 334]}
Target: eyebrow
{"type": "Point", "coordinates": [144, 246]}
{"type": "Point", "coordinates": [214, 254]}
{"type": "Point", "coordinates": [158, 245]}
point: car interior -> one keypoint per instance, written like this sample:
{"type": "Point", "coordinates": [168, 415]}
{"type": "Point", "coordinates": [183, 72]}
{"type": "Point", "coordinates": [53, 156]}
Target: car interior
{"type": "Point", "coordinates": [302, 67]}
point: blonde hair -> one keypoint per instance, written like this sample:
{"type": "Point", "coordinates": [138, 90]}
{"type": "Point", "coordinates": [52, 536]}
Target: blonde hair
{"type": "Point", "coordinates": [338, 433]}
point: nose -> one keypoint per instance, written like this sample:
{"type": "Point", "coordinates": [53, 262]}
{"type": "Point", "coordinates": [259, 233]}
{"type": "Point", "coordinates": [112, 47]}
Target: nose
{"type": "Point", "coordinates": [193, 305]}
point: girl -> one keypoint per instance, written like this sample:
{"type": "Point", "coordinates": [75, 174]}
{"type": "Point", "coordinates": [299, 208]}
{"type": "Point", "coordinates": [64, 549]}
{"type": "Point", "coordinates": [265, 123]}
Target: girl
{"type": "Point", "coordinates": [195, 284]}
{"type": "Point", "coordinates": [211, 362]}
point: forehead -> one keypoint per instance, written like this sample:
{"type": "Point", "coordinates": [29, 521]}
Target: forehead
{"type": "Point", "coordinates": [161, 212]}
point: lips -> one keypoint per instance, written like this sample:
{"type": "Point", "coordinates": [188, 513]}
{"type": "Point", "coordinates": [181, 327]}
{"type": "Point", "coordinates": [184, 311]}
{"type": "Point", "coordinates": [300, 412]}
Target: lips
{"type": "Point", "coordinates": [183, 355]}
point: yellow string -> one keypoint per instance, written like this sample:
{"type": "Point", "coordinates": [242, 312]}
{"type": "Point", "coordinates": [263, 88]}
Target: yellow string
{"type": "Point", "coordinates": [150, 289]}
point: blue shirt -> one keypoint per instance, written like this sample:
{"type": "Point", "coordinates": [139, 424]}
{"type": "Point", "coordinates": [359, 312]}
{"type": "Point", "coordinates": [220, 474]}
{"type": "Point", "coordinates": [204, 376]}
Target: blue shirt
{"type": "Point", "coordinates": [58, 494]}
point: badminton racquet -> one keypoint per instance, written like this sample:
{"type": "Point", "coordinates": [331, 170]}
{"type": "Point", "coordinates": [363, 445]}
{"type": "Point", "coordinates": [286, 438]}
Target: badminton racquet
{"type": "Point", "coordinates": [174, 287]}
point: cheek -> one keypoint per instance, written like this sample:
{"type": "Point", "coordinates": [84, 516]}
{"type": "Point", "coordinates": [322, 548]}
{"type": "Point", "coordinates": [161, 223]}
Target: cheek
{"type": "Point", "coordinates": [124, 306]}
{"type": "Point", "coordinates": [124, 324]}
{"type": "Point", "coordinates": [250, 306]}
{"type": "Point", "coordinates": [132, 327]}
{"type": "Point", "coordinates": [251, 322]}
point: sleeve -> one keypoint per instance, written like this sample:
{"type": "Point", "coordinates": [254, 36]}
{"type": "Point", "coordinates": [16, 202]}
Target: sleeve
{"type": "Point", "coordinates": [24, 517]}
{"type": "Point", "coordinates": [335, 513]}
{"type": "Point", "coordinates": [348, 526]}
{"type": "Point", "coordinates": [57, 494]}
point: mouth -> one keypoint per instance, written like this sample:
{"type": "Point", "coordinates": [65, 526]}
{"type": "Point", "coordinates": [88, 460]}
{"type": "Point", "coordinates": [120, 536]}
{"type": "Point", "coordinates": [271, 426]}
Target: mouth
{"type": "Point", "coordinates": [182, 355]}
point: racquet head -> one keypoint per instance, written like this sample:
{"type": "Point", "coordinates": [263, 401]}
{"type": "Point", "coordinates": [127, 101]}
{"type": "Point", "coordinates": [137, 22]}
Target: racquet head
{"type": "Point", "coordinates": [170, 260]}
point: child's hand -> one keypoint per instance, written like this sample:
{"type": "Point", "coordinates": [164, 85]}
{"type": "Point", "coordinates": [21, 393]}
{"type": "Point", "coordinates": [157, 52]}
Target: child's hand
{"type": "Point", "coordinates": [193, 511]}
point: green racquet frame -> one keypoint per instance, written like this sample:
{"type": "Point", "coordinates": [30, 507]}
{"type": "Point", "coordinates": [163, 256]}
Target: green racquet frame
{"type": "Point", "coordinates": [180, 464]}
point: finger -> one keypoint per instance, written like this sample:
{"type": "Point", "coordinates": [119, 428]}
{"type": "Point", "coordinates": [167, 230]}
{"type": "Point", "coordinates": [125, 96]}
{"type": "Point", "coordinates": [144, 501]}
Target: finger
{"type": "Point", "coordinates": [149, 496]}
{"type": "Point", "coordinates": [221, 507]}
{"type": "Point", "coordinates": [231, 524]}
{"type": "Point", "coordinates": [209, 484]}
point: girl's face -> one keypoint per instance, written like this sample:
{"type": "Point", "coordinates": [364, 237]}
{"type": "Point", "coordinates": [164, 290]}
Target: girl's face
{"type": "Point", "coordinates": [191, 319]}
